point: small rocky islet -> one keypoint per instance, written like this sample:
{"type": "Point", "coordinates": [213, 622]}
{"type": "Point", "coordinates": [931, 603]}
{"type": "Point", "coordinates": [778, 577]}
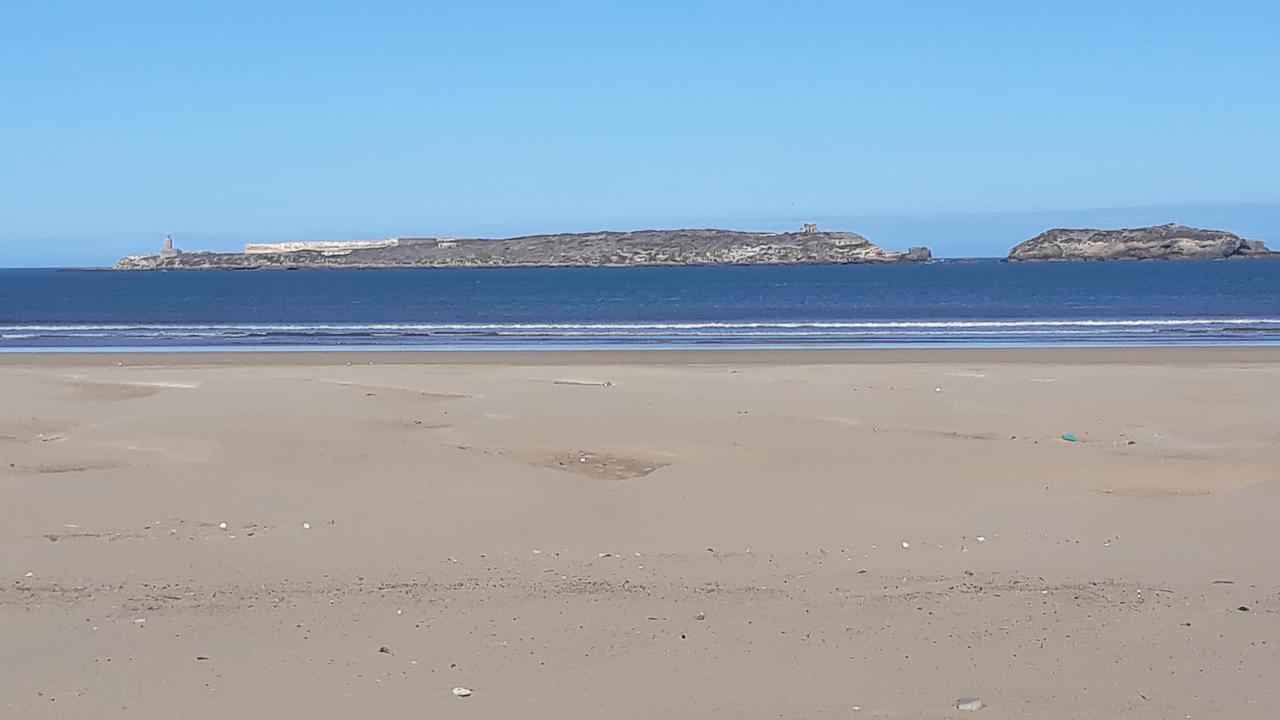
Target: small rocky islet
{"type": "Point", "coordinates": [1159, 242]}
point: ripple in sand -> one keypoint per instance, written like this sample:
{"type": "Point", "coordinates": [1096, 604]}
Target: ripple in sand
{"type": "Point", "coordinates": [164, 530]}
{"type": "Point", "coordinates": [109, 391]}
{"type": "Point", "coordinates": [59, 468]}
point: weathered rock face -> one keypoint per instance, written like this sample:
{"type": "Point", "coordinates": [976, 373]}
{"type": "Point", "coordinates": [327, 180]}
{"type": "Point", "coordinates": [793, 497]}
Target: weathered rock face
{"type": "Point", "coordinates": [918, 254]}
{"type": "Point", "coordinates": [604, 249]}
{"type": "Point", "coordinates": [1162, 242]}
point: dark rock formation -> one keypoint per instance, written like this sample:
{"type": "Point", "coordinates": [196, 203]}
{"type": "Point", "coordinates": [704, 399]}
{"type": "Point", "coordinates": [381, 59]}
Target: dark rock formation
{"type": "Point", "coordinates": [1162, 242]}
{"type": "Point", "coordinates": [603, 249]}
{"type": "Point", "coordinates": [918, 254]}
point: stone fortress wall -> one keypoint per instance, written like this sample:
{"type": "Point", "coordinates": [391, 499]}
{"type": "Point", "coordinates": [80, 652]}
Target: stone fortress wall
{"type": "Point", "coordinates": [329, 247]}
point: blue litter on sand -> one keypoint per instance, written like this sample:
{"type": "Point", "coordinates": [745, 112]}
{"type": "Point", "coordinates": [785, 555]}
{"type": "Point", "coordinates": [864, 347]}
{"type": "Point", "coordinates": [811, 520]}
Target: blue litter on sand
{"type": "Point", "coordinates": [1069, 437]}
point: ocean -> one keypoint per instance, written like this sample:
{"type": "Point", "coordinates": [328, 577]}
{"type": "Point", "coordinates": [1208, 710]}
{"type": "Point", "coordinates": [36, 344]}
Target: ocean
{"type": "Point", "coordinates": [953, 304]}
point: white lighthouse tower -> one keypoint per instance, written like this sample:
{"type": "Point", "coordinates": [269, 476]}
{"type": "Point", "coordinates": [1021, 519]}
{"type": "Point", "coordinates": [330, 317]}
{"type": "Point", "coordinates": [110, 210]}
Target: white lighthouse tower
{"type": "Point", "coordinates": [169, 250]}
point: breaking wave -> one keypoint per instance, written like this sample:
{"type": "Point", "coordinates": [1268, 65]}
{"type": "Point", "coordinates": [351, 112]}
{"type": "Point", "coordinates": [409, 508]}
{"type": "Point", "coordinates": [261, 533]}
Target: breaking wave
{"type": "Point", "coordinates": [694, 334]}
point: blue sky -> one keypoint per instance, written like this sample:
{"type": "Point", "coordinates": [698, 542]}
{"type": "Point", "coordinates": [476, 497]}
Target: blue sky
{"type": "Point", "coordinates": [966, 126]}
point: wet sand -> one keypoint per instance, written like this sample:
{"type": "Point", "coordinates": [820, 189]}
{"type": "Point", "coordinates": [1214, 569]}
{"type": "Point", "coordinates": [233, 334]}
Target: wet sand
{"type": "Point", "coordinates": [638, 535]}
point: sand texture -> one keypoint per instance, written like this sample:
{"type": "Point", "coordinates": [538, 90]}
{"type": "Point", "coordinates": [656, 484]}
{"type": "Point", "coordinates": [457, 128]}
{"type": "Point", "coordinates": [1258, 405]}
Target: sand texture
{"type": "Point", "coordinates": [781, 535]}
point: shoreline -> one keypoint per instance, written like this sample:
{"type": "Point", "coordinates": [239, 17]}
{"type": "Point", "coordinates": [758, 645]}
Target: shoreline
{"type": "Point", "coordinates": [1149, 355]}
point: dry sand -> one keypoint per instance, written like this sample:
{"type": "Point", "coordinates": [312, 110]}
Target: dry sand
{"type": "Point", "coordinates": [794, 535]}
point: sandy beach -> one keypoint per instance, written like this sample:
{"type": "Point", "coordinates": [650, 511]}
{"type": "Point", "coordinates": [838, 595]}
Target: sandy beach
{"type": "Point", "coordinates": [641, 535]}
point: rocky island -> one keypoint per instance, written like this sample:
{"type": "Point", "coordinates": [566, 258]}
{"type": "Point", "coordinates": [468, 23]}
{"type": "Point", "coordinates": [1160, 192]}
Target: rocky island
{"type": "Point", "coordinates": [808, 246]}
{"type": "Point", "coordinates": [1161, 242]}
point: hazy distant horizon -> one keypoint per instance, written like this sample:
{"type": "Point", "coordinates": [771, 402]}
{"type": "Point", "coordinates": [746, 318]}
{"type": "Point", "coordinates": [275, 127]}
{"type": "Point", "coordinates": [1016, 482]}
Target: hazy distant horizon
{"type": "Point", "coordinates": [949, 235]}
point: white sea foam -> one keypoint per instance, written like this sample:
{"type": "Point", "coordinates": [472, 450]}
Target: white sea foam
{"type": "Point", "coordinates": [633, 327]}
{"type": "Point", "coordinates": [576, 335]}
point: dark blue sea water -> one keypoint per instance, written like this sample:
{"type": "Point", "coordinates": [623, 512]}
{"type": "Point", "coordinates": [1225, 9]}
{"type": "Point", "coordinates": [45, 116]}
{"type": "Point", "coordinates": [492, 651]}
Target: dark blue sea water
{"type": "Point", "coordinates": [947, 304]}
